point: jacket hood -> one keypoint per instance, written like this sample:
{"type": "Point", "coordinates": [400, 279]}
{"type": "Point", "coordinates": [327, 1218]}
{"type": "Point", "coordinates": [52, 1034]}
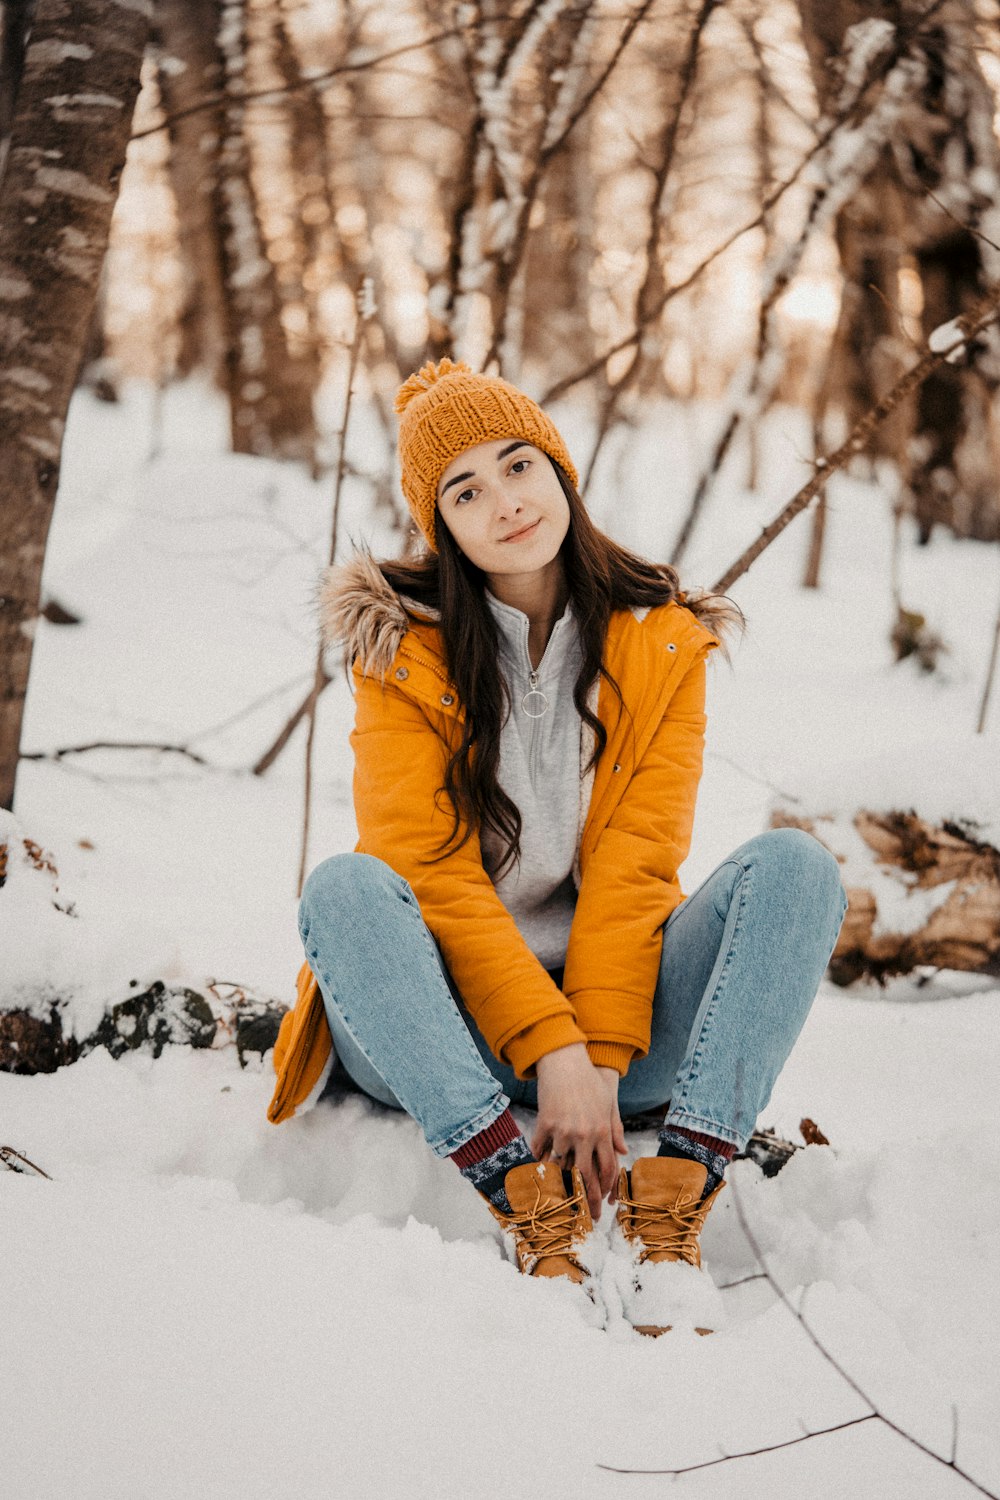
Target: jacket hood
{"type": "Point", "coordinates": [360, 611]}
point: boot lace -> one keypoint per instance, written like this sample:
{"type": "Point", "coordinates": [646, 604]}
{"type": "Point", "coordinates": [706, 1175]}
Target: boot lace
{"type": "Point", "coordinates": [549, 1229]}
{"type": "Point", "coordinates": [671, 1228]}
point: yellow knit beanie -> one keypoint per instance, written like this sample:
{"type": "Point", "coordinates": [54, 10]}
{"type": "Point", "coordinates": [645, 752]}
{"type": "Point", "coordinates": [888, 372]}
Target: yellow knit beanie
{"type": "Point", "coordinates": [445, 408]}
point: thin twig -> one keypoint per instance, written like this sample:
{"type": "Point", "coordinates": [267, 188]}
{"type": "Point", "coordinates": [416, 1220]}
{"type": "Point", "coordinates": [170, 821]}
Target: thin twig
{"type": "Point", "coordinates": [590, 95]}
{"type": "Point", "coordinates": [990, 673]}
{"type": "Point", "coordinates": [320, 678]}
{"type": "Point", "coordinates": [248, 708]}
{"type": "Point", "coordinates": [872, 1415]}
{"type": "Point", "coordinates": [8, 1155]}
{"type": "Point", "coordinates": [969, 228]}
{"type": "Point", "coordinates": [113, 745]}
{"type": "Point", "coordinates": [985, 312]}
{"type": "Point", "coordinates": [727, 1458]}
{"type": "Point", "coordinates": [753, 391]}
{"type": "Point", "coordinates": [820, 1347]}
{"type": "Point", "coordinates": [270, 755]}
{"type": "Point", "coordinates": [821, 141]}
{"type": "Point", "coordinates": [753, 776]}
{"type": "Point", "coordinates": [657, 222]}
{"type": "Point", "coordinates": [224, 96]}
{"type": "Point", "coordinates": [727, 1286]}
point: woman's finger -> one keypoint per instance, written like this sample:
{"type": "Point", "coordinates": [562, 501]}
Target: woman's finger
{"type": "Point", "coordinates": [541, 1140]}
{"type": "Point", "coordinates": [592, 1183]}
{"type": "Point", "coordinates": [596, 1152]}
{"type": "Point", "coordinates": [618, 1131]}
{"type": "Point", "coordinates": [607, 1165]}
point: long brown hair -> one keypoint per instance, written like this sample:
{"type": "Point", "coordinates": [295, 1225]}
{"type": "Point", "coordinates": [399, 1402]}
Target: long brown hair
{"type": "Point", "coordinates": [601, 577]}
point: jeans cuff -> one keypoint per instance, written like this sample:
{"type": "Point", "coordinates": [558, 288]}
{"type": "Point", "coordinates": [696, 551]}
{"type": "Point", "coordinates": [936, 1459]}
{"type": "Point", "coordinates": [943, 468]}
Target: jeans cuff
{"type": "Point", "coordinates": [482, 1121]}
{"type": "Point", "coordinates": [705, 1126]}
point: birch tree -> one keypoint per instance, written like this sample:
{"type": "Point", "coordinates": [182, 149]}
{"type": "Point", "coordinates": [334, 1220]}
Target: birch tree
{"type": "Point", "coordinates": [926, 216]}
{"type": "Point", "coordinates": [69, 128]}
{"type": "Point", "coordinates": [203, 46]}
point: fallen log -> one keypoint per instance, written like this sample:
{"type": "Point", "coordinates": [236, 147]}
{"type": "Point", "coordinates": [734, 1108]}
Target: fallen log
{"type": "Point", "coordinates": [40, 1024]}
{"type": "Point", "coordinates": [161, 1015]}
{"type": "Point", "coordinates": [920, 893]}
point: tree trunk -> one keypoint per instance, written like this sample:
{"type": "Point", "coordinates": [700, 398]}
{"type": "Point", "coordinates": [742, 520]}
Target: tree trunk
{"type": "Point", "coordinates": [234, 285]}
{"type": "Point", "coordinates": [309, 233]}
{"type": "Point", "coordinates": [917, 215]}
{"type": "Point", "coordinates": [556, 334]}
{"type": "Point", "coordinates": [15, 16]}
{"type": "Point", "coordinates": [189, 72]}
{"type": "Point", "coordinates": [69, 132]}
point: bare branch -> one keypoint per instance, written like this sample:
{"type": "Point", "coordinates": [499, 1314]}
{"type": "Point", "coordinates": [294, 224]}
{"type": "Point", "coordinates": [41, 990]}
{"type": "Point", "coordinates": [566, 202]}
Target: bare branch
{"type": "Point", "coordinates": [315, 80]}
{"type": "Point", "coordinates": [990, 672]}
{"type": "Point", "coordinates": [661, 174]}
{"type": "Point", "coordinates": [11, 1158]}
{"type": "Point", "coordinates": [838, 122]}
{"type": "Point", "coordinates": [113, 745]}
{"type": "Point", "coordinates": [591, 94]}
{"type": "Point", "coordinates": [971, 323]}
{"type": "Point", "coordinates": [728, 1458]}
{"type": "Point", "coordinates": [248, 709]}
{"type": "Point", "coordinates": [270, 755]}
{"type": "Point", "coordinates": [872, 1415]}
{"type": "Point", "coordinates": [320, 678]}
{"type": "Point", "coordinates": [947, 1463]}
{"type": "Point", "coordinates": [969, 229]}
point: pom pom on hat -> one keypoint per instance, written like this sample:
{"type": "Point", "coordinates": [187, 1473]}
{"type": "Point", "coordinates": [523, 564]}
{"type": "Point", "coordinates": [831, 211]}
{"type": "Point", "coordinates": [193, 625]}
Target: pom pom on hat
{"type": "Point", "coordinates": [445, 408]}
{"type": "Point", "coordinates": [424, 378]}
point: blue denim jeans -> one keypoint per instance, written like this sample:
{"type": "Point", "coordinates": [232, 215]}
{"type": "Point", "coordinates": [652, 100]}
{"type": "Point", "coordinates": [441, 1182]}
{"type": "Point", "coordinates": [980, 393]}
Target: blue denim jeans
{"type": "Point", "coordinates": [742, 959]}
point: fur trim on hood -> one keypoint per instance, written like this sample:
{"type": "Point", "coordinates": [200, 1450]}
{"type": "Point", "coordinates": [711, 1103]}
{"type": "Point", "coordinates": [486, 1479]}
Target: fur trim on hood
{"type": "Point", "coordinates": [717, 612]}
{"type": "Point", "coordinates": [361, 611]}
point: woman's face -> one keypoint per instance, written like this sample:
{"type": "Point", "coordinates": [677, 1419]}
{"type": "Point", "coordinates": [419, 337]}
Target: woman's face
{"type": "Point", "coordinates": [504, 505]}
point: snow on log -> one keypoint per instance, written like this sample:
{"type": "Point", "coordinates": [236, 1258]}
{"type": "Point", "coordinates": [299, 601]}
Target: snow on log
{"type": "Point", "coordinates": [918, 841]}
{"type": "Point", "coordinates": [59, 996]}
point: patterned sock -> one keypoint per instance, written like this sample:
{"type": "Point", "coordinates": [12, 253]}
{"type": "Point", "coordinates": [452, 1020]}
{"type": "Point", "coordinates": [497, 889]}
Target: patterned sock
{"type": "Point", "coordinates": [489, 1156]}
{"type": "Point", "coordinates": [714, 1154]}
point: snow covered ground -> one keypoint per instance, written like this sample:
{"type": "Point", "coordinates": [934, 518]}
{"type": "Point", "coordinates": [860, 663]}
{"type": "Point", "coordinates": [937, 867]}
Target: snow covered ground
{"type": "Point", "coordinates": [200, 1304]}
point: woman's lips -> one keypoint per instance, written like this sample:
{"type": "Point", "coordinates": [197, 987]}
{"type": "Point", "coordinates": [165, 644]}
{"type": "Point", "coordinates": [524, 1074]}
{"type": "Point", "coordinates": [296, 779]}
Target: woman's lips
{"type": "Point", "coordinates": [522, 536]}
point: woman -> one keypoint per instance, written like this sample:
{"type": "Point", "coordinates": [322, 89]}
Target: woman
{"type": "Point", "coordinates": [510, 928]}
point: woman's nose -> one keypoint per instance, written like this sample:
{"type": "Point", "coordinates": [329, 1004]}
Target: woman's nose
{"type": "Point", "coordinates": [505, 504]}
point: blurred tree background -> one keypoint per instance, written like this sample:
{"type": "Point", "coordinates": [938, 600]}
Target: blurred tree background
{"type": "Point", "coordinates": [738, 202]}
{"type": "Point", "coordinates": [749, 201]}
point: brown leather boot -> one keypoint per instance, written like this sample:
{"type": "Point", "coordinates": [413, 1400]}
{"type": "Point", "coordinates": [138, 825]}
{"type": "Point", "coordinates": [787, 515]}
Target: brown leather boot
{"type": "Point", "coordinates": [547, 1222]}
{"type": "Point", "coordinates": [660, 1215]}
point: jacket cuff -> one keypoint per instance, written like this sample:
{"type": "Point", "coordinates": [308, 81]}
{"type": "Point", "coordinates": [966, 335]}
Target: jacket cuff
{"type": "Point", "coordinates": [608, 1015]}
{"type": "Point", "coordinates": [611, 1055]}
{"type": "Point", "coordinates": [547, 1035]}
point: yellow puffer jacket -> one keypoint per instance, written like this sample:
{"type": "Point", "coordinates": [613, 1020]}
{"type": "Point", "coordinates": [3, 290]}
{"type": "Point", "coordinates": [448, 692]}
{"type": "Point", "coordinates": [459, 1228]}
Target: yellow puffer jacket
{"type": "Point", "coordinates": [636, 833]}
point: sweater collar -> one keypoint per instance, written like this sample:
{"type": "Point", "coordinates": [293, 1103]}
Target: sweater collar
{"type": "Point", "coordinates": [513, 626]}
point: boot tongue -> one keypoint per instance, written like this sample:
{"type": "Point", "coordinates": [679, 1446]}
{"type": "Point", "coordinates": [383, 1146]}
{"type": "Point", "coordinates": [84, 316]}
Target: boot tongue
{"type": "Point", "coordinates": [668, 1180]}
{"type": "Point", "coordinates": [535, 1185]}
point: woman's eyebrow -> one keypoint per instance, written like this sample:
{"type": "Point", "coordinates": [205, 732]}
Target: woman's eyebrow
{"type": "Point", "coordinates": [461, 478]}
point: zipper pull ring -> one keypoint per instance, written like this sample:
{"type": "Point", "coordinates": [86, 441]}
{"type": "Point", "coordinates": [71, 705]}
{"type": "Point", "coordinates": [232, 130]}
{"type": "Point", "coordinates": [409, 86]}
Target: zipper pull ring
{"type": "Point", "coordinates": [534, 703]}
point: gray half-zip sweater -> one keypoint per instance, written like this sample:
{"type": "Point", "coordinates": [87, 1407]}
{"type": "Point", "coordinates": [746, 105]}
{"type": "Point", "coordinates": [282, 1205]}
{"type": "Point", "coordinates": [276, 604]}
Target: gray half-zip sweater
{"type": "Point", "coordinates": [540, 771]}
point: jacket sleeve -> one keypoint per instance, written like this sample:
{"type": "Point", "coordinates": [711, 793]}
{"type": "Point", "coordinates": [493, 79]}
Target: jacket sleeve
{"type": "Point", "coordinates": [399, 764]}
{"type": "Point", "coordinates": [629, 886]}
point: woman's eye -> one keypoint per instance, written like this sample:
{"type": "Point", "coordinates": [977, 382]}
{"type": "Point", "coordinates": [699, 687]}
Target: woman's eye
{"type": "Point", "coordinates": [517, 461]}
{"type": "Point", "coordinates": [461, 495]}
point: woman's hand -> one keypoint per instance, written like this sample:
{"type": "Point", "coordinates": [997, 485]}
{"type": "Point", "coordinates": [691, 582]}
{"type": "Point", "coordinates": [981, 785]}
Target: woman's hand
{"type": "Point", "coordinates": [578, 1120]}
